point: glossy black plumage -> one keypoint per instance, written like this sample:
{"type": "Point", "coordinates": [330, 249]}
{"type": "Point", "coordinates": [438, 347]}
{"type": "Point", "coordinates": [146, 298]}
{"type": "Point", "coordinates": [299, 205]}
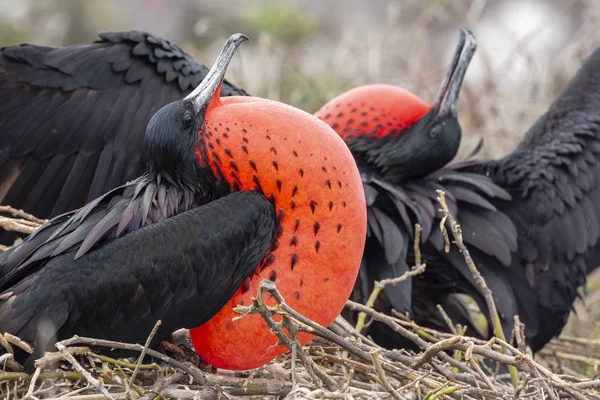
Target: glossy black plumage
{"type": "Point", "coordinates": [174, 182]}
{"type": "Point", "coordinates": [410, 154]}
{"type": "Point", "coordinates": [173, 244]}
{"type": "Point", "coordinates": [554, 179]}
{"type": "Point", "coordinates": [394, 208]}
{"type": "Point", "coordinates": [180, 270]}
{"type": "Point", "coordinates": [142, 202]}
{"type": "Point", "coordinates": [72, 119]}
{"type": "Point", "coordinates": [531, 221]}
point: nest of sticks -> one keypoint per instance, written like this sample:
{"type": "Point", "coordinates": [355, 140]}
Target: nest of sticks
{"type": "Point", "coordinates": [340, 363]}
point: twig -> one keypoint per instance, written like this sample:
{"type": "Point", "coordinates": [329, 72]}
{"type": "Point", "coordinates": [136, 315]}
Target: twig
{"type": "Point", "coordinates": [433, 350]}
{"type": "Point", "coordinates": [116, 396]}
{"type": "Point", "coordinates": [190, 370]}
{"type": "Point", "coordinates": [417, 244]}
{"type": "Point", "coordinates": [9, 360]}
{"type": "Point", "coordinates": [18, 342]}
{"type": "Point", "coordinates": [587, 385]}
{"type": "Point", "coordinates": [58, 374]}
{"type": "Point", "coordinates": [21, 214]}
{"type": "Point", "coordinates": [518, 360]}
{"type": "Point", "coordinates": [489, 299]}
{"type": "Point", "coordinates": [259, 307]}
{"type": "Point", "coordinates": [129, 384]}
{"type": "Point", "coordinates": [307, 325]}
{"type": "Point", "coordinates": [34, 379]}
{"type": "Point", "coordinates": [521, 386]}
{"type": "Point", "coordinates": [50, 358]}
{"type": "Point", "coordinates": [341, 327]}
{"type": "Point", "coordinates": [142, 355]}
{"type": "Point", "coordinates": [5, 343]}
{"type": "Point", "coordinates": [216, 383]}
{"type": "Point", "coordinates": [447, 319]}
{"type": "Point", "coordinates": [382, 377]}
{"type": "Point", "coordinates": [483, 376]}
{"type": "Point", "coordinates": [161, 384]}
{"type": "Point", "coordinates": [18, 225]}
{"type": "Point", "coordinates": [88, 377]}
{"type": "Point", "coordinates": [54, 357]}
{"type": "Point", "coordinates": [389, 321]}
{"type": "Point", "coordinates": [294, 377]}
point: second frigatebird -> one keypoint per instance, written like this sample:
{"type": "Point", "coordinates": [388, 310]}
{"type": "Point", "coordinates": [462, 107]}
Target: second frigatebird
{"type": "Point", "coordinates": [176, 243]}
{"type": "Point", "coordinates": [530, 219]}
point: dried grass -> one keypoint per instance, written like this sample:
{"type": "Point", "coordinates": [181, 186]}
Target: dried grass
{"type": "Point", "coordinates": [339, 363]}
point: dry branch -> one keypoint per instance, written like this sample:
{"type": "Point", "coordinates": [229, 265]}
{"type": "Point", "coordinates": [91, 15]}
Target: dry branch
{"type": "Point", "coordinates": [489, 299]}
{"type": "Point", "coordinates": [20, 221]}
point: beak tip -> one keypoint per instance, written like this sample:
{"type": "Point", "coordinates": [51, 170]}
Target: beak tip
{"type": "Point", "coordinates": [446, 100]}
{"type": "Point", "coordinates": [468, 38]}
{"type": "Point", "coordinates": [209, 86]}
{"type": "Point", "coordinates": [238, 39]}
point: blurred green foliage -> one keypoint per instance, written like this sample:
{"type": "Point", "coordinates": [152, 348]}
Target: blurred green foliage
{"type": "Point", "coordinates": [9, 34]}
{"type": "Point", "coordinates": [283, 20]}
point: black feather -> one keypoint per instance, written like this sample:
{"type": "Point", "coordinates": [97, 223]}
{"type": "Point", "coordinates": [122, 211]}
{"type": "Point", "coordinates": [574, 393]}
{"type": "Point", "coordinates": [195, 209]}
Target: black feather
{"type": "Point", "coordinates": [72, 119]}
{"type": "Point", "coordinates": [554, 175]}
{"type": "Point", "coordinates": [191, 263]}
{"type": "Point", "coordinates": [530, 220]}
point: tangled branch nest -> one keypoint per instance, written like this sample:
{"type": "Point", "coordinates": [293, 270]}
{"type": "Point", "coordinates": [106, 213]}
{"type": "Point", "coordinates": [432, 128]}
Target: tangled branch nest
{"type": "Point", "coordinates": [340, 363]}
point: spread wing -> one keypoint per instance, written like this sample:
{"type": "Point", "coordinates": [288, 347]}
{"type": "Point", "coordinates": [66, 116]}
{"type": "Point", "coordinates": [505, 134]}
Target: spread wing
{"type": "Point", "coordinates": [554, 179]}
{"type": "Point", "coordinates": [72, 119]}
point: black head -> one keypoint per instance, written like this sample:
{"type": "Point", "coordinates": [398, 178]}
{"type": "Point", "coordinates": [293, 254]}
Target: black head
{"type": "Point", "coordinates": [171, 140]}
{"type": "Point", "coordinates": [426, 146]}
{"type": "Point", "coordinates": [431, 141]}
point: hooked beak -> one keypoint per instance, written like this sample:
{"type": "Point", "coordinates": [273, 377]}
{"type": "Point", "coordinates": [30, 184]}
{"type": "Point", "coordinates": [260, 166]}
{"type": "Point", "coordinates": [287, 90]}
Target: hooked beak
{"type": "Point", "coordinates": [210, 85]}
{"type": "Point", "coordinates": [446, 100]}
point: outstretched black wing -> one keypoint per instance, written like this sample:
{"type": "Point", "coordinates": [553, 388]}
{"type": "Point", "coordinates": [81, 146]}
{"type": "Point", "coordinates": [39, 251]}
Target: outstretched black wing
{"type": "Point", "coordinates": [181, 270]}
{"type": "Point", "coordinates": [554, 179]}
{"type": "Point", "coordinates": [72, 119]}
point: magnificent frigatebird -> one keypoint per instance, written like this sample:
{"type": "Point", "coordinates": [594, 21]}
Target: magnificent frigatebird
{"type": "Point", "coordinates": [182, 244]}
{"type": "Point", "coordinates": [417, 166]}
{"type": "Point", "coordinates": [531, 219]}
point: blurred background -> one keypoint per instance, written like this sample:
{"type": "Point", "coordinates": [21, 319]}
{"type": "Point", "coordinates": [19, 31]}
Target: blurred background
{"type": "Point", "coordinates": [303, 52]}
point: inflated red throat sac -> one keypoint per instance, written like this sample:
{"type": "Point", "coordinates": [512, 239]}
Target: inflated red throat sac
{"type": "Point", "coordinates": [307, 171]}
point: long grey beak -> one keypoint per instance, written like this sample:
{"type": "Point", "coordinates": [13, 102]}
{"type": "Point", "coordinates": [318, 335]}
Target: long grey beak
{"type": "Point", "coordinates": [446, 100]}
{"type": "Point", "coordinates": [205, 91]}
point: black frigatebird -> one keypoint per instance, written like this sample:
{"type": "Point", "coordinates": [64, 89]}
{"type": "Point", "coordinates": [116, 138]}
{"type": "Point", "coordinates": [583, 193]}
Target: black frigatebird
{"type": "Point", "coordinates": [184, 245]}
{"type": "Point", "coordinates": [530, 219]}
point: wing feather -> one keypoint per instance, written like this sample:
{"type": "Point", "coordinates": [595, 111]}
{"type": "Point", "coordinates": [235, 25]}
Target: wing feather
{"type": "Point", "coordinates": [83, 110]}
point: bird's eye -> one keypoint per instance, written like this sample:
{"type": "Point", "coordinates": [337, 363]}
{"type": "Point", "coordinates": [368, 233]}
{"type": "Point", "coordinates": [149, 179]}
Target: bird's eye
{"type": "Point", "coordinates": [433, 132]}
{"type": "Point", "coordinates": [188, 120]}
